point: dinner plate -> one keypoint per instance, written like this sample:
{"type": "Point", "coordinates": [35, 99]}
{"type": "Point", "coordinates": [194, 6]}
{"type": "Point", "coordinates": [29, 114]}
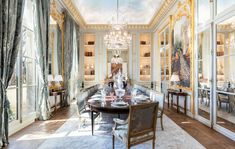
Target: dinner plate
{"type": "Point", "coordinates": [96, 96]}
{"type": "Point", "coordinates": [119, 104]}
{"type": "Point", "coordinates": [95, 100]}
{"type": "Point", "coordinates": [141, 97]}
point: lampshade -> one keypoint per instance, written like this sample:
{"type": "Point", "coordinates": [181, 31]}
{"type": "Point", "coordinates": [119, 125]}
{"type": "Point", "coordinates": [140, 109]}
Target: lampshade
{"type": "Point", "coordinates": [50, 78]}
{"type": "Point", "coordinates": [58, 78]}
{"type": "Point", "coordinates": [175, 78]}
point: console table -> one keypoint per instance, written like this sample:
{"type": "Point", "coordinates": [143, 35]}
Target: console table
{"type": "Point", "coordinates": [54, 93]}
{"type": "Point", "coordinates": [177, 94]}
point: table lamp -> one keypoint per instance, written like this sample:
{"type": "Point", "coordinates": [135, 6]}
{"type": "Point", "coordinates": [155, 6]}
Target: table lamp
{"type": "Point", "coordinates": [58, 79]}
{"type": "Point", "coordinates": [50, 79]}
{"type": "Point", "coordinates": [175, 78]}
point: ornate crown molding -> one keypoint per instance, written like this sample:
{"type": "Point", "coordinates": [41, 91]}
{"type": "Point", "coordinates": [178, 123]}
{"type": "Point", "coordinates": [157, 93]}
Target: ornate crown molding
{"type": "Point", "coordinates": [68, 4]}
{"type": "Point", "coordinates": [159, 15]}
{"type": "Point", "coordinates": [59, 18]}
{"type": "Point", "coordinates": [74, 12]}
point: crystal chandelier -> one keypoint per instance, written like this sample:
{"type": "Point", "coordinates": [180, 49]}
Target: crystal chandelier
{"type": "Point", "coordinates": [117, 38]}
{"type": "Point", "coordinates": [116, 59]}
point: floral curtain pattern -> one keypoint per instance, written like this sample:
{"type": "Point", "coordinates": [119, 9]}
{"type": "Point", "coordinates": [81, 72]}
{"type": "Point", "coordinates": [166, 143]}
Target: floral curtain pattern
{"type": "Point", "coordinates": [42, 40]}
{"type": "Point", "coordinates": [11, 15]}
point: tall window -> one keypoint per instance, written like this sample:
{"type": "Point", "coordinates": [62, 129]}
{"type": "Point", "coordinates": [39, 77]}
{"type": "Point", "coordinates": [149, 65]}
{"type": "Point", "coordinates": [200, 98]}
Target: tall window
{"type": "Point", "coordinates": [22, 88]}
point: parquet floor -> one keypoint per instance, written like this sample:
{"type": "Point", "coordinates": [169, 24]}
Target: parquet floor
{"type": "Point", "coordinates": [206, 136]}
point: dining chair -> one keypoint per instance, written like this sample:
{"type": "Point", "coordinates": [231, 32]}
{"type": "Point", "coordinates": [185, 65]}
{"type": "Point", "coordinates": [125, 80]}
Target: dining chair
{"type": "Point", "coordinates": [160, 97]}
{"type": "Point", "coordinates": [139, 127]}
{"type": "Point", "coordinates": [231, 99]}
{"type": "Point", "coordinates": [222, 98]}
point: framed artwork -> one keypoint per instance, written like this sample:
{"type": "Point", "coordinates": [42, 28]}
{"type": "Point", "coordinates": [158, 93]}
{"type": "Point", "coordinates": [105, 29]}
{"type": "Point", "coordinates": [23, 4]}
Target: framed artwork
{"type": "Point", "coordinates": [181, 55]}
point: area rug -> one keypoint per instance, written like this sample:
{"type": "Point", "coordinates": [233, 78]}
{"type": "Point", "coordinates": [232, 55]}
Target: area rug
{"type": "Point", "coordinates": [71, 135]}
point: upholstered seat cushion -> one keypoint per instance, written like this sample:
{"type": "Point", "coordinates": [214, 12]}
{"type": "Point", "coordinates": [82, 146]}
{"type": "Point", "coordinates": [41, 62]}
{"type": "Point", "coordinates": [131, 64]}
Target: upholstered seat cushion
{"type": "Point", "coordinates": [121, 133]}
{"type": "Point", "coordinates": [159, 113]}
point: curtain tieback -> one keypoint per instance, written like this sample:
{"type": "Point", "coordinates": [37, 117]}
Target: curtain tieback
{"type": "Point", "coordinates": [3, 86]}
{"type": "Point", "coordinates": [6, 101]}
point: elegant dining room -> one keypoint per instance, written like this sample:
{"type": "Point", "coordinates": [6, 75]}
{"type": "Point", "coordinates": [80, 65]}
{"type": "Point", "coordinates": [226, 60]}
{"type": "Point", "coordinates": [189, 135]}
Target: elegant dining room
{"type": "Point", "coordinates": [117, 74]}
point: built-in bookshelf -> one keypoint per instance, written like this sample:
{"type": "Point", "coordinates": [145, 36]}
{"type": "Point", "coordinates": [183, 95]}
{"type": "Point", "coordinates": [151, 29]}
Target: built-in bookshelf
{"type": "Point", "coordinates": [89, 57]}
{"type": "Point", "coordinates": [145, 57]}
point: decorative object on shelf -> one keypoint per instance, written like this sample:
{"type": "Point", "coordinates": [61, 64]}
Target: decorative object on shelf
{"type": "Point", "coordinates": [91, 42]}
{"type": "Point", "coordinates": [143, 42]}
{"type": "Point", "coordinates": [117, 38]}
{"type": "Point", "coordinates": [147, 54]}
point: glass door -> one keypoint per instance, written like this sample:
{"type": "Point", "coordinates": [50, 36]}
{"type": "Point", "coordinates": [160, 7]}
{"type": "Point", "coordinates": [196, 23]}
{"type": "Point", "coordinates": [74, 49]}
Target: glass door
{"type": "Point", "coordinates": [204, 75]}
{"type": "Point", "coordinates": [164, 57]}
{"type": "Point", "coordinates": [225, 76]}
{"type": "Point", "coordinates": [215, 73]}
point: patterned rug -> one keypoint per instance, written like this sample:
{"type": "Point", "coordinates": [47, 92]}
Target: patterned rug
{"type": "Point", "coordinates": [71, 135]}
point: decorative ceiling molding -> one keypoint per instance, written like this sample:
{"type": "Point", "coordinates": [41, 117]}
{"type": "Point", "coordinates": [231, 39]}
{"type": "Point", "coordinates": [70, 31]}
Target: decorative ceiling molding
{"type": "Point", "coordinates": [68, 4]}
{"type": "Point", "coordinates": [161, 13]}
{"type": "Point", "coordinates": [73, 10]}
{"type": "Point", "coordinates": [58, 17]}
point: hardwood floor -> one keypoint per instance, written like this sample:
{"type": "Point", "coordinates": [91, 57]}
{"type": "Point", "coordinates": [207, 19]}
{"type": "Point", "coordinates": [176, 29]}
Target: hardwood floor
{"type": "Point", "coordinates": [203, 134]}
{"type": "Point", "coordinates": [220, 121]}
{"type": "Point", "coordinates": [206, 136]}
{"type": "Point", "coordinates": [39, 130]}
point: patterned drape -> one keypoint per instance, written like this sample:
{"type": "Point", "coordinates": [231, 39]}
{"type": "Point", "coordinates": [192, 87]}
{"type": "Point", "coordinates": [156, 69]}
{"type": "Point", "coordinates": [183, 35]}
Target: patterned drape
{"type": "Point", "coordinates": [11, 14]}
{"type": "Point", "coordinates": [78, 43]}
{"type": "Point", "coordinates": [42, 40]}
{"type": "Point", "coordinates": [59, 49]}
{"type": "Point", "coordinates": [68, 55]}
{"type": "Point", "coordinates": [69, 49]}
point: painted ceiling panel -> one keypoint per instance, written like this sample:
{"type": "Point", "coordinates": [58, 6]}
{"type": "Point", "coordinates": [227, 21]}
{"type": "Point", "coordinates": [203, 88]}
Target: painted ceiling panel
{"type": "Point", "coordinates": [130, 11]}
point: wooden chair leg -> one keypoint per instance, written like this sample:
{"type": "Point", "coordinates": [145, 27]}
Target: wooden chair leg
{"type": "Point", "coordinates": [153, 145]}
{"type": "Point", "coordinates": [113, 141]}
{"type": "Point", "coordinates": [162, 122]}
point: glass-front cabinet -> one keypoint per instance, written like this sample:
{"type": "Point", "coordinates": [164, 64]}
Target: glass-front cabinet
{"type": "Point", "coordinates": [164, 42]}
{"type": "Point", "coordinates": [145, 57]}
{"type": "Point", "coordinates": [215, 71]}
{"type": "Point", "coordinates": [89, 57]}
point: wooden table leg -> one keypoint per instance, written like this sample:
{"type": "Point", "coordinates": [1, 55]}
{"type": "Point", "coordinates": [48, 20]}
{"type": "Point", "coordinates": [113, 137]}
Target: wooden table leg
{"type": "Point", "coordinates": [168, 99]}
{"type": "Point", "coordinates": [177, 102]}
{"type": "Point", "coordinates": [185, 105]}
{"type": "Point", "coordinates": [92, 123]}
{"type": "Point", "coordinates": [55, 102]}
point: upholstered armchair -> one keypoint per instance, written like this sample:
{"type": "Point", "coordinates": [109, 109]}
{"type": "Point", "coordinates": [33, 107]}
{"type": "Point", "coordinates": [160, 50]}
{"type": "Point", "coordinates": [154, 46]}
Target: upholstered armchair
{"type": "Point", "coordinates": [139, 127]}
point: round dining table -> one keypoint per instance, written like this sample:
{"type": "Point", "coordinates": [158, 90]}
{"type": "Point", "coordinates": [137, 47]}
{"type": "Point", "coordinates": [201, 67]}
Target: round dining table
{"type": "Point", "coordinates": [107, 106]}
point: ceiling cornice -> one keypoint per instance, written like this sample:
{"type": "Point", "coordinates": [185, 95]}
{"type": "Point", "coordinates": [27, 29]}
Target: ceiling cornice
{"type": "Point", "coordinates": [68, 4]}
{"type": "Point", "coordinates": [167, 4]}
{"type": "Point", "coordinates": [159, 15]}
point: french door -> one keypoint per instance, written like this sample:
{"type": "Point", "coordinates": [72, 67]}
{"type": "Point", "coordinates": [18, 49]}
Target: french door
{"type": "Point", "coordinates": [204, 73]}
{"type": "Point", "coordinates": [214, 70]}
